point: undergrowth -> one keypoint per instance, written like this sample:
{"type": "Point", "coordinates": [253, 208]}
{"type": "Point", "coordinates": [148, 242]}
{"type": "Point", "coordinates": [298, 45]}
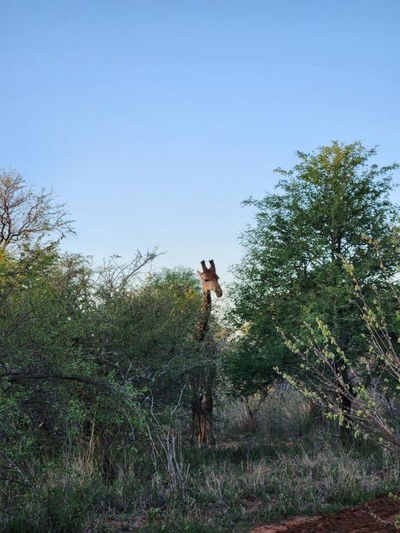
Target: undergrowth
{"type": "Point", "coordinates": [272, 461]}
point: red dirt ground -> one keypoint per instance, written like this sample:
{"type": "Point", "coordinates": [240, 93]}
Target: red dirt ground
{"type": "Point", "coordinates": [377, 516]}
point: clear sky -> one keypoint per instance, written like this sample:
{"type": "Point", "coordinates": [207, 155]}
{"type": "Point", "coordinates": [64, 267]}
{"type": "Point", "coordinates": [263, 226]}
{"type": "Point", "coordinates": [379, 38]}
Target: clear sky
{"type": "Point", "coordinates": [153, 120]}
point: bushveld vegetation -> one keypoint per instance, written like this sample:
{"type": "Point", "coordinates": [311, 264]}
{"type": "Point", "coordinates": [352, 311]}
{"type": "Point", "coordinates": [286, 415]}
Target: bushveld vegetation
{"type": "Point", "coordinates": [95, 361]}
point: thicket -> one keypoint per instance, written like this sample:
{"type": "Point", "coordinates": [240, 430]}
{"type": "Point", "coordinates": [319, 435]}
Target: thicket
{"type": "Point", "coordinates": [93, 364]}
{"type": "Point", "coordinates": [93, 361]}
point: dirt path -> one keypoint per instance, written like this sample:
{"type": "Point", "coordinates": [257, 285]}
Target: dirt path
{"type": "Point", "coordinates": [377, 516]}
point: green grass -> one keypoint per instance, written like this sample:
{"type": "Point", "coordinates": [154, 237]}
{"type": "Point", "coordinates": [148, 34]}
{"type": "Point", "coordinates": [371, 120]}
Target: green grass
{"type": "Point", "coordinates": [278, 464]}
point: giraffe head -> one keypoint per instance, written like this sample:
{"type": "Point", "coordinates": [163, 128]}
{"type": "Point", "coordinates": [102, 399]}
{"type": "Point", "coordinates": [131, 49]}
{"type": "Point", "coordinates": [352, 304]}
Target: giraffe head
{"type": "Point", "coordinates": [209, 279]}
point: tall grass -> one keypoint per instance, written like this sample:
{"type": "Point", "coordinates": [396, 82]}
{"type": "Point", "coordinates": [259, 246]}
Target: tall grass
{"type": "Point", "coordinates": [272, 461]}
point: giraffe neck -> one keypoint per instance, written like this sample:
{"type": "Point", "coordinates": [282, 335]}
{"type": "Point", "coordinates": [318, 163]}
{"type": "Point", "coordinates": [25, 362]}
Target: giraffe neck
{"type": "Point", "coordinates": [206, 308]}
{"type": "Point", "coordinates": [205, 315]}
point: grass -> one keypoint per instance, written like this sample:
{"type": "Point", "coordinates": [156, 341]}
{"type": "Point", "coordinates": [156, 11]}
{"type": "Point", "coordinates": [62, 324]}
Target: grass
{"type": "Point", "coordinates": [267, 467]}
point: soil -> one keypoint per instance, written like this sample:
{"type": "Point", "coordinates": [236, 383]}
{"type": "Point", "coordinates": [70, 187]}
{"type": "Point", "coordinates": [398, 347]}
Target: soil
{"type": "Point", "coordinates": [377, 516]}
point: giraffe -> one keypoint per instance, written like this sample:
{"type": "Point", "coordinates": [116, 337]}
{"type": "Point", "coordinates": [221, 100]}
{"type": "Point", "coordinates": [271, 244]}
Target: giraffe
{"type": "Point", "coordinates": [202, 382]}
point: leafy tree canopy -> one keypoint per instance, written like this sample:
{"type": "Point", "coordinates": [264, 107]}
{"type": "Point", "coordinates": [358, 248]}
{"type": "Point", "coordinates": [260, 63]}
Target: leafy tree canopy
{"type": "Point", "coordinates": [333, 205]}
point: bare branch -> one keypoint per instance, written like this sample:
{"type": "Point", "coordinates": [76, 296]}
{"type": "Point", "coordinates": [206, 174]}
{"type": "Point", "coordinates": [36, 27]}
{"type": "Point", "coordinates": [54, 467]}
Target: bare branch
{"type": "Point", "coordinates": [26, 215]}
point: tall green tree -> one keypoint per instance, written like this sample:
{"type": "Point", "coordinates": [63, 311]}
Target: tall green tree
{"type": "Point", "coordinates": [333, 205]}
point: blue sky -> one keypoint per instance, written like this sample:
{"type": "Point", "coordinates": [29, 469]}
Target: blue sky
{"type": "Point", "coordinates": [154, 120]}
